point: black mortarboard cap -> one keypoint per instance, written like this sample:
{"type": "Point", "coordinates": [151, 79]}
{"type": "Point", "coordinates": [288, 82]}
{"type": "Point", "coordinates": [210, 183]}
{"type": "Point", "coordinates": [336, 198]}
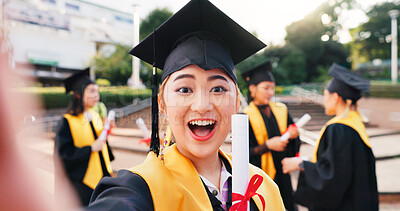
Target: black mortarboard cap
{"type": "Point", "coordinates": [200, 34]}
{"type": "Point", "coordinates": [197, 16]}
{"type": "Point", "coordinates": [259, 74]}
{"type": "Point", "coordinates": [346, 83]}
{"type": "Point", "coordinates": [76, 82]}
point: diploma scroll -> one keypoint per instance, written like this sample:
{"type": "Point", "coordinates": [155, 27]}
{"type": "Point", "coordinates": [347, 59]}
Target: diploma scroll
{"type": "Point", "coordinates": [299, 124]}
{"type": "Point", "coordinates": [140, 123]}
{"type": "Point", "coordinates": [107, 126]}
{"type": "Point", "coordinates": [240, 154]}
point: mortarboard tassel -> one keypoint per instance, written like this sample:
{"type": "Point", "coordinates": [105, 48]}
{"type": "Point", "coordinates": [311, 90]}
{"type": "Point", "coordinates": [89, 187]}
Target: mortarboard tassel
{"type": "Point", "coordinates": [155, 140]}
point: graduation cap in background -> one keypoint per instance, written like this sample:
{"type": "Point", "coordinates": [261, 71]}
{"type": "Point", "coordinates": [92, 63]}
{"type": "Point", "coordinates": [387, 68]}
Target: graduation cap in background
{"type": "Point", "coordinates": [76, 82]}
{"type": "Point", "coordinates": [346, 83]}
{"type": "Point", "coordinates": [259, 74]}
{"type": "Point", "coordinates": [200, 34]}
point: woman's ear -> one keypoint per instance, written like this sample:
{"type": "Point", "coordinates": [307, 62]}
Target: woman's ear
{"type": "Point", "coordinates": [252, 88]}
{"type": "Point", "coordinates": [336, 97]}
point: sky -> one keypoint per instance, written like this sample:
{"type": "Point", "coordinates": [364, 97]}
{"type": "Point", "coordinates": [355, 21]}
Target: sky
{"type": "Point", "coordinates": [268, 18]}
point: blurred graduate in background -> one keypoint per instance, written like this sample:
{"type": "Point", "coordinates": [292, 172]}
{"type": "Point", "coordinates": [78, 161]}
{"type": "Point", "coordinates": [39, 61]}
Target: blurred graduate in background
{"type": "Point", "coordinates": [84, 153]}
{"type": "Point", "coordinates": [268, 120]}
{"type": "Point", "coordinates": [341, 175]}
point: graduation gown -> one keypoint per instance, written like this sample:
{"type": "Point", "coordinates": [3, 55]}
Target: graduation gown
{"type": "Point", "coordinates": [257, 150]}
{"type": "Point", "coordinates": [342, 176]}
{"type": "Point", "coordinates": [171, 185]}
{"type": "Point", "coordinates": [83, 167]}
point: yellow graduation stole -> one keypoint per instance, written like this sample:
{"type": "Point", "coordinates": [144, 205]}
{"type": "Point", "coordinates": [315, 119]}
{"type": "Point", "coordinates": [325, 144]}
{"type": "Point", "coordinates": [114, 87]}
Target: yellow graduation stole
{"type": "Point", "coordinates": [176, 185]}
{"type": "Point", "coordinates": [83, 136]}
{"type": "Point", "coordinates": [354, 121]}
{"type": "Point", "coordinates": [260, 131]}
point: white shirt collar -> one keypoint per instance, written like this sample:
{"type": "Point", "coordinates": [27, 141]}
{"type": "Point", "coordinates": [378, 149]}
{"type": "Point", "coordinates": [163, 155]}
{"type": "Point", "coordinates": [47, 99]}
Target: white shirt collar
{"type": "Point", "coordinates": [211, 187]}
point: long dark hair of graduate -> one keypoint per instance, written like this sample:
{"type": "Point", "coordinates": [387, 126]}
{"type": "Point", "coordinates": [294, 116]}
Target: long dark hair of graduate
{"type": "Point", "coordinates": [249, 97]}
{"type": "Point", "coordinates": [75, 106]}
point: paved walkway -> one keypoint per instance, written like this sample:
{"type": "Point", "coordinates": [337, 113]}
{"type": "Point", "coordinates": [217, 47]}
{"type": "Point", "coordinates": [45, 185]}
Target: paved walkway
{"type": "Point", "coordinates": [38, 149]}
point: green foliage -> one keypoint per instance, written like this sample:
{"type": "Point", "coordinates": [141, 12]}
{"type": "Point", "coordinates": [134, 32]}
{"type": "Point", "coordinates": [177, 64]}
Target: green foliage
{"type": "Point", "coordinates": [377, 74]}
{"type": "Point", "coordinates": [116, 68]}
{"type": "Point", "coordinates": [55, 97]}
{"type": "Point", "coordinates": [322, 74]}
{"type": "Point", "coordinates": [385, 90]}
{"type": "Point", "coordinates": [103, 82]}
{"type": "Point", "coordinates": [371, 40]}
{"type": "Point", "coordinates": [122, 96]}
{"type": "Point", "coordinates": [147, 26]}
{"type": "Point", "coordinates": [305, 35]}
{"type": "Point", "coordinates": [294, 66]}
{"type": "Point", "coordinates": [153, 21]}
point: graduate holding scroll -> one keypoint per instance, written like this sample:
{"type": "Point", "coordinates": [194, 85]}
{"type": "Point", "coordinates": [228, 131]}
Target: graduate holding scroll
{"type": "Point", "coordinates": [341, 175]}
{"type": "Point", "coordinates": [84, 153]}
{"type": "Point", "coordinates": [197, 49]}
{"type": "Point", "coordinates": [268, 121]}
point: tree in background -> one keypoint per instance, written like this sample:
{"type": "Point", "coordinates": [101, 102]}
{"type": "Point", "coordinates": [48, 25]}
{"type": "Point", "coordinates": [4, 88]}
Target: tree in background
{"type": "Point", "coordinates": [153, 20]}
{"type": "Point", "coordinates": [117, 67]}
{"type": "Point", "coordinates": [147, 26]}
{"type": "Point", "coordinates": [312, 45]}
{"type": "Point", "coordinates": [317, 36]}
{"type": "Point", "coordinates": [371, 40]}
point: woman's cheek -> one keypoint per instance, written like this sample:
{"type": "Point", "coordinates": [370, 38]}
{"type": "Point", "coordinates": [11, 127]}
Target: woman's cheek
{"type": "Point", "coordinates": [226, 100]}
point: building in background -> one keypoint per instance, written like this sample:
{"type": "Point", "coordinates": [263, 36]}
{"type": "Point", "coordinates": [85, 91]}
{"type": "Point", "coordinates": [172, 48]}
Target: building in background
{"type": "Point", "coordinates": [54, 38]}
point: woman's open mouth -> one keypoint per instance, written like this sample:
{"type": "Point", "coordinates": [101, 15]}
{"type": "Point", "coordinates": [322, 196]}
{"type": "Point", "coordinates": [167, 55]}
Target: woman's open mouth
{"type": "Point", "coordinates": [202, 129]}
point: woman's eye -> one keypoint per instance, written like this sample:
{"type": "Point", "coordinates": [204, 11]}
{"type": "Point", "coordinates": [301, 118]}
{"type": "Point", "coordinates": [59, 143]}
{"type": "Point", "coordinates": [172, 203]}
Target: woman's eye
{"type": "Point", "coordinates": [184, 90]}
{"type": "Point", "coordinates": [218, 89]}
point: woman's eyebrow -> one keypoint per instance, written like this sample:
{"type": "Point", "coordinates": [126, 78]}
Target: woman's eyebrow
{"type": "Point", "coordinates": [215, 77]}
{"type": "Point", "coordinates": [184, 76]}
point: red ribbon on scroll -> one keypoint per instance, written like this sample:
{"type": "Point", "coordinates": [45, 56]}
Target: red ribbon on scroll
{"type": "Point", "coordinates": [254, 184]}
{"type": "Point", "coordinates": [290, 126]}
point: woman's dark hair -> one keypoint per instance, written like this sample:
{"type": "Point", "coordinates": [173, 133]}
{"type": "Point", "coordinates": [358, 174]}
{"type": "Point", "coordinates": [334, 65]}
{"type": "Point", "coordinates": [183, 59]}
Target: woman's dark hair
{"type": "Point", "coordinates": [249, 97]}
{"type": "Point", "coordinates": [75, 107]}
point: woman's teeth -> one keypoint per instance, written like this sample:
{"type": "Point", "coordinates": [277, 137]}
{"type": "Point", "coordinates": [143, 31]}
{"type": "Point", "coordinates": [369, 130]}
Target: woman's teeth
{"type": "Point", "coordinates": [202, 122]}
{"type": "Point", "coordinates": [202, 128]}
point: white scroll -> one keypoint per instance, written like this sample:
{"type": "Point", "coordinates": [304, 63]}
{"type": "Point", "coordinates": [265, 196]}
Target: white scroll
{"type": "Point", "coordinates": [107, 127]}
{"type": "Point", "coordinates": [240, 154]}
{"type": "Point", "coordinates": [299, 124]}
{"type": "Point", "coordinates": [142, 126]}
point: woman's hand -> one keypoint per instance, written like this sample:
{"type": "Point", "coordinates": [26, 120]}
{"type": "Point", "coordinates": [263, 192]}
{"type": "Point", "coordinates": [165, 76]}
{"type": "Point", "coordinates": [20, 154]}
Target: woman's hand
{"type": "Point", "coordinates": [291, 164]}
{"type": "Point", "coordinates": [293, 131]}
{"type": "Point", "coordinates": [98, 144]}
{"type": "Point", "coordinates": [276, 144]}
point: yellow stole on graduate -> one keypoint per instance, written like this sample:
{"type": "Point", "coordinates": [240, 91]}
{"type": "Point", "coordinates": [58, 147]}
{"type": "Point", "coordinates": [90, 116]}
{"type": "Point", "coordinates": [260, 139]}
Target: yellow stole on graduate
{"type": "Point", "coordinates": [260, 131]}
{"type": "Point", "coordinates": [175, 183]}
{"type": "Point", "coordinates": [354, 121]}
{"type": "Point", "coordinates": [83, 136]}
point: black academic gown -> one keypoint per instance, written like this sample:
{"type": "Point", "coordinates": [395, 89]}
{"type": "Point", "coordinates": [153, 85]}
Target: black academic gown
{"type": "Point", "coordinates": [129, 191]}
{"type": "Point", "coordinates": [343, 178]}
{"type": "Point", "coordinates": [75, 160]}
{"type": "Point", "coordinates": [282, 180]}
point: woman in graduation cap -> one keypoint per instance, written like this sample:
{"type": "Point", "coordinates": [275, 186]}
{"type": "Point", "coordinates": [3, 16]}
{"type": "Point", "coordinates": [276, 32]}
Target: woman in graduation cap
{"type": "Point", "coordinates": [197, 49]}
{"type": "Point", "coordinates": [85, 155]}
{"type": "Point", "coordinates": [268, 120]}
{"type": "Point", "coordinates": [341, 175]}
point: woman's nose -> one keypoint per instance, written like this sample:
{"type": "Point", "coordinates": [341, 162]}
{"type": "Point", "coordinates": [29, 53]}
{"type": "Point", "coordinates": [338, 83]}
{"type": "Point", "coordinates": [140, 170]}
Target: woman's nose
{"type": "Point", "coordinates": [201, 102]}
